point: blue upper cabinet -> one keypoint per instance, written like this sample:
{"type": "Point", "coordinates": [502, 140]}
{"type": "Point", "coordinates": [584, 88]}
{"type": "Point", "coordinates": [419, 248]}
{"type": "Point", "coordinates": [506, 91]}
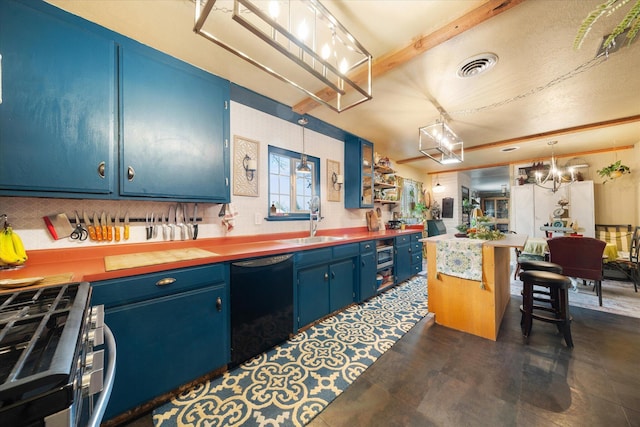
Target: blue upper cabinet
{"type": "Point", "coordinates": [174, 126]}
{"type": "Point", "coordinates": [87, 112]}
{"type": "Point", "coordinates": [358, 190]}
{"type": "Point", "coordinates": [58, 110]}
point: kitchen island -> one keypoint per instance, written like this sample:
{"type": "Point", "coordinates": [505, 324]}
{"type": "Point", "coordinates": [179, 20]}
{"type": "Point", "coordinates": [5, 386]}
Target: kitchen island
{"type": "Point", "coordinates": [472, 306]}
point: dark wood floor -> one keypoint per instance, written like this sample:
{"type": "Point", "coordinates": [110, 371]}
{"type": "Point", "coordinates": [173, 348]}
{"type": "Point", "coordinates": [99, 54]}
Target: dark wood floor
{"type": "Point", "coordinates": [435, 376]}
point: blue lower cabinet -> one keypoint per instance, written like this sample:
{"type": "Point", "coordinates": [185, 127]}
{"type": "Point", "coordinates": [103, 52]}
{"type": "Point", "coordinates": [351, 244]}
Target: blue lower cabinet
{"type": "Point", "coordinates": [323, 289]}
{"type": "Point", "coordinates": [313, 294]}
{"type": "Point", "coordinates": [368, 282]}
{"type": "Point", "coordinates": [166, 341]}
{"type": "Point", "coordinates": [416, 253]}
{"type": "Point", "coordinates": [341, 280]}
{"type": "Point", "coordinates": [402, 262]}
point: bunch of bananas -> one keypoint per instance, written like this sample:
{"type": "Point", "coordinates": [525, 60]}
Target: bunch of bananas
{"type": "Point", "coordinates": [11, 248]}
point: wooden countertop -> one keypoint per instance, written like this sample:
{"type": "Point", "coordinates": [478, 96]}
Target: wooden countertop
{"type": "Point", "coordinates": [510, 240]}
{"type": "Point", "coordinates": [87, 264]}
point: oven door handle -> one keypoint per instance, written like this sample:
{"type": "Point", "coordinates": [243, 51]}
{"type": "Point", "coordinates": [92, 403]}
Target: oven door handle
{"type": "Point", "coordinates": [101, 405]}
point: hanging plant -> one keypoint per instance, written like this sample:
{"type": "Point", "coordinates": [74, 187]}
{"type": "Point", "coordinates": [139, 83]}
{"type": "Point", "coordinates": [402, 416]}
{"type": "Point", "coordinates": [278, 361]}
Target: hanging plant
{"type": "Point", "coordinates": [613, 171]}
{"type": "Point", "coordinates": [631, 22]}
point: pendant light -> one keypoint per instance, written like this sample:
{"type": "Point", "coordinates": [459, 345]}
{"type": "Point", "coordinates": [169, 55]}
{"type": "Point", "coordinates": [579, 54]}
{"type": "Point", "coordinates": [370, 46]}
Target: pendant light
{"type": "Point", "coordinates": [303, 167]}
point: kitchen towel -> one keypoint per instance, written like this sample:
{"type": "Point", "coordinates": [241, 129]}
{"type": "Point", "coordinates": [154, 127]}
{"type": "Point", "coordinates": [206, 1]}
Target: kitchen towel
{"type": "Point", "coordinates": [460, 257]}
{"type": "Point", "coordinates": [230, 212]}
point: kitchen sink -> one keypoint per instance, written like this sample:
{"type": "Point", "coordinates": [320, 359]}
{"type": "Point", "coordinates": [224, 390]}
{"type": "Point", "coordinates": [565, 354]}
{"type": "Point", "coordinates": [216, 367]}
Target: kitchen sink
{"type": "Point", "coordinates": [312, 239]}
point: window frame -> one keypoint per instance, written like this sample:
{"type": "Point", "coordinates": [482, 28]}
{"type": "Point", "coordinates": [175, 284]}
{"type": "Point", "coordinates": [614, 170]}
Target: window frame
{"type": "Point", "coordinates": [291, 216]}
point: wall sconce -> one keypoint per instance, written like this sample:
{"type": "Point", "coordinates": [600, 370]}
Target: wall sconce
{"type": "Point", "coordinates": [250, 167]}
{"type": "Point", "coordinates": [337, 181]}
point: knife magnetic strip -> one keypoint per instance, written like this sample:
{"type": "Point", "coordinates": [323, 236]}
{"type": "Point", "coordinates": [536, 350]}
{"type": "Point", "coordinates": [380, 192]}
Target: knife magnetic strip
{"type": "Point", "coordinates": [144, 220]}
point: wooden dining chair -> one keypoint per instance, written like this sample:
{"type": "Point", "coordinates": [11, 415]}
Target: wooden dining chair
{"type": "Point", "coordinates": [579, 257]}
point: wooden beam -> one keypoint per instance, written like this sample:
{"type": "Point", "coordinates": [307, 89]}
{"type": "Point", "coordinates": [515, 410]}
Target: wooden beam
{"type": "Point", "coordinates": [420, 45]}
{"type": "Point", "coordinates": [538, 136]}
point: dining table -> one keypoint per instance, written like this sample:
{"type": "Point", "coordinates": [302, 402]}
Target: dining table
{"type": "Point", "coordinates": [538, 246]}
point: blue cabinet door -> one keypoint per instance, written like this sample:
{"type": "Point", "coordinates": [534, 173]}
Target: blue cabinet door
{"type": "Point", "coordinates": [403, 261]}
{"type": "Point", "coordinates": [58, 110]}
{"type": "Point", "coordinates": [341, 284]}
{"type": "Point", "coordinates": [313, 294]}
{"type": "Point", "coordinates": [368, 284]}
{"type": "Point", "coordinates": [175, 127]}
{"type": "Point", "coordinates": [358, 190]}
{"type": "Point", "coordinates": [165, 343]}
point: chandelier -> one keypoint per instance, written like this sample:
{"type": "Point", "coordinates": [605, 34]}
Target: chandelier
{"type": "Point", "coordinates": [321, 52]}
{"type": "Point", "coordinates": [555, 176]}
{"type": "Point", "coordinates": [440, 143]}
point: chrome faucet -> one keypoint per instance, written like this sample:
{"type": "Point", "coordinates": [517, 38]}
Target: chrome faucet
{"type": "Point", "coordinates": [314, 215]}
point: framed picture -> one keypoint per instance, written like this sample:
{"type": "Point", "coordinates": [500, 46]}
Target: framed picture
{"type": "Point", "coordinates": [246, 163]}
{"type": "Point", "coordinates": [465, 193]}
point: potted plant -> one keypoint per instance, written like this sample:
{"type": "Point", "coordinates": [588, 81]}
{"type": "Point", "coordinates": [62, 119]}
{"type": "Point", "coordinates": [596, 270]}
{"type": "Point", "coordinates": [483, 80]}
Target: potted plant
{"type": "Point", "coordinates": [462, 230]}
{"type": "Point", "coordinates": [613, 171]}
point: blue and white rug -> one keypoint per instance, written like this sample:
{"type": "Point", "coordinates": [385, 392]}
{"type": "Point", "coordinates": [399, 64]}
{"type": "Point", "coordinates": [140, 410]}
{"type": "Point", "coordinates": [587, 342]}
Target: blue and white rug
{"type": "Point", "coordinates": [290, 384]}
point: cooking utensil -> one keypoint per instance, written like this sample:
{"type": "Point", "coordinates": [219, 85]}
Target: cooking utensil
{"type": "Point", "coordinates": [90, 228]}
{"type": "Point", "coordinates": [165, 227]}
{"type": "Point", "coordinates": [109, 228]}
{"type": "Point", "coordinates": [96, 225]}
{"type": "Point", "coordinates": [103, 223]}
{"type": "Point", "coordinates": [80, 233]}
{"type": "Point", "coordinates": [126, 226]}
{"type": "Point", "coordinates": [172, 223]}
{"type": "Point", "coordinates": [58, 225]}
{"type": "Point", "coordinates": [155, 225]}
{"type": "Point", "coordinates": [195, 221]}
{"type": "Point", "coordinates": [188, 223]}
{"type": "Point", "coordinates": [149, 225]}
{"type": "Point", "coordinates": [116, 227]}
{"type": "Point", "coordinates": [181, 224]}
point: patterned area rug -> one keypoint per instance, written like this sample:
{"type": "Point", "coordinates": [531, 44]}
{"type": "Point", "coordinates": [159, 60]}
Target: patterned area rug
{"type": "Point", "coordinates": [617, 297]}
{"type": "Point", "coordinates": [290, 384]}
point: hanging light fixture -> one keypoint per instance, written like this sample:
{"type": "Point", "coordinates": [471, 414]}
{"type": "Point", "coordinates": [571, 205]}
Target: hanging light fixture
{"type": "Point", "coordinates": [303, 167]}
{"type": "Point", "coordinates": [440, 143]}
{"type": "Point", "coordinates": [303, 31]}
{"type": "Point", "coordinates": [438, 188]}
{"type": "Point", "coordinates": [555, 176]}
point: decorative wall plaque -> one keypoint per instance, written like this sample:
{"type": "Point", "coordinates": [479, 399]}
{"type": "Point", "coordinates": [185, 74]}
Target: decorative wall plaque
{"type": "Point", "coordinates": [333, 189]}
{"type": "Point", "coordinates": [245, 155]}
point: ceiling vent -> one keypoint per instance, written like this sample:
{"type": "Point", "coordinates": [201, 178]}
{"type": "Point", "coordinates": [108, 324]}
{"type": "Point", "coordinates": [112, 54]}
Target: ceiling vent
{"type": "Point", "coordinates": [477, 64]}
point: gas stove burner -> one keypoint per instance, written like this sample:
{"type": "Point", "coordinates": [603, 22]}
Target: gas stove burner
{"type": "Point", "coordinates": [43, 345]}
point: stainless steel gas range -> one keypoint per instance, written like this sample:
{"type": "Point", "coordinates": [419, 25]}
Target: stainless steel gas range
{"type": "Point", "coordinates": [51, 357]}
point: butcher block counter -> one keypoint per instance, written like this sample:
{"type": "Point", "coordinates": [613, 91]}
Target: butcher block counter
{"type": "Point", "coordinates": [111, 260]}
{"type": "Point", "coordinates": [476, 302]}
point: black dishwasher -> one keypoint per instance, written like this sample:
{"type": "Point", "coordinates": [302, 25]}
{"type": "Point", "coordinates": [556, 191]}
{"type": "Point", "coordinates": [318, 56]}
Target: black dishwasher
{"type": "Point", "coordinates": [261, 305]}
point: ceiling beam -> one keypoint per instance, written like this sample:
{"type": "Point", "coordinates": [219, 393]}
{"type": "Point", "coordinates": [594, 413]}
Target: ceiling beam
{"type": "Point", "coordinates": [391, 60]}
{"type": "Point", "coordinates": [538, 136]}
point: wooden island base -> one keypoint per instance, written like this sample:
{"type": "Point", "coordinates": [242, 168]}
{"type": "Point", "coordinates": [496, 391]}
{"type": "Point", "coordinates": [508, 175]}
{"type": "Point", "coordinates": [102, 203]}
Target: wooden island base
{"type": "Point", "coordinates": [464, 304]}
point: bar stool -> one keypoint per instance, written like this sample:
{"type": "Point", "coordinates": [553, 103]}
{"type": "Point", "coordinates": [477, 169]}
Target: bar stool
{"type": "Point", "coordinates": [538, 265]}
{"type": "Point", "coordinates": [557, 312]}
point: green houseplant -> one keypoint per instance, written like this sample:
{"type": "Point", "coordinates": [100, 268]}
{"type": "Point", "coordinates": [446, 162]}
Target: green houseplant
{"type": "Point", "coordinates": [613, 171]}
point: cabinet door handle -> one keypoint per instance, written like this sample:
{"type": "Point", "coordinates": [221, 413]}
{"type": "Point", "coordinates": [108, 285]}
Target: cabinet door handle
{"type": "Point", "coordinates": [101, 169]}
{"type": "Point", "coordinates": [326, 276]}
{"type": "Point", "coordinates": [367, 246]}
{"type": "Point", "coordinates": [131, 173]}
{"type": "Point", "coordinates": [333, 275]}
{"type": "Point", "coordinates": [363, 263]}
{"type": "Point", "coordinates": [219, 304]}
{"type": "Point", "coordinates": [166, 281]}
